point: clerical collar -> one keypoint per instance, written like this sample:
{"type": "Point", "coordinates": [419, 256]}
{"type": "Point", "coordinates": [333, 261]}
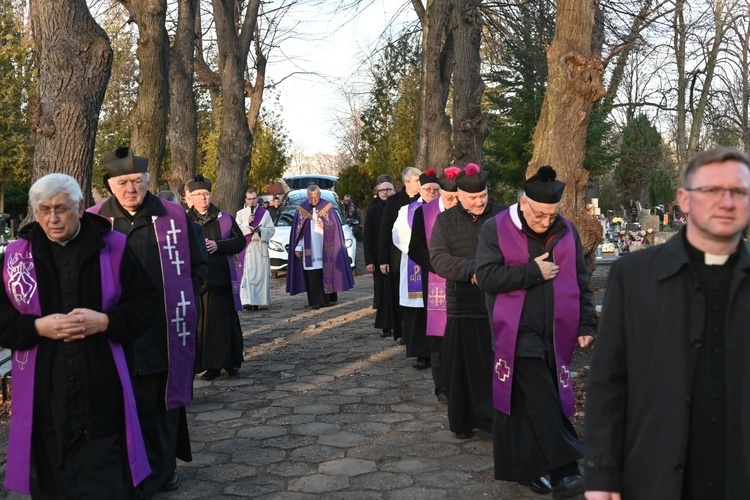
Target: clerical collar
{"type": "Point", "coordinates": [699, 256]}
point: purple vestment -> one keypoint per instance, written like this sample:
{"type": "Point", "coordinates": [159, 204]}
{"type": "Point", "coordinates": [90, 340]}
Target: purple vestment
{"type": "Point", "coordinates": [436, 292]}
{"type": "Point", "coordinates": [179, 300]}
{"type": "Point", "coordinates": [225, 223]}
{"type": "Point", "coordinates": [19, 276]}
{"type": "Point", "coordinates": [413, 270]}
{"type": "Point", "coordinates": [506, 314]}
{"type": "Point", "coordinates": [337, 273]}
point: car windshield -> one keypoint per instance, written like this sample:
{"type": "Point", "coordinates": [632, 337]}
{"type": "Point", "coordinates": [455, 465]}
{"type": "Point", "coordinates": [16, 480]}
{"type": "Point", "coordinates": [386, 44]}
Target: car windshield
{"type": "Point", "coordinates": [294, 198]}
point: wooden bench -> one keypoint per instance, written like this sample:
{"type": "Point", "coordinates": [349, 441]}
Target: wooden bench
{"type": "Point", "coordinates": [5, 363]}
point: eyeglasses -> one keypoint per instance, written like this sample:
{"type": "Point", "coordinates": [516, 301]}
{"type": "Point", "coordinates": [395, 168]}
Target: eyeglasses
{"type": "Point", "coordinates": [430, 189]}
{"type": "Point", "coordinates": [717, 192]}
{"type": "Point", "coordinates": [251, 199]}
{"type": "Point", "coordinates": [385, 190]}
{"type": "Point", "coordinates": [542, 215]}
{"type": "Point", "coordinates": [59, 210]}
{"type": "Point", "coordinates": [200, 195]}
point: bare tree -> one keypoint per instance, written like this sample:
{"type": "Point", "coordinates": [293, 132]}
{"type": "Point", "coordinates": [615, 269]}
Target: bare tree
{"type": "Point", "coordinates": [434, 148]}
{"type": "Point", "coordinates": [470, 127]}
{"type": "Point", "coordinates": [183, 129]}
{"type": "Point", "coordinates": [574, 86]}
{"type": "Point", "coordinates": [74, 60]}
{"type": "Point", "coordinates": [149, 116]}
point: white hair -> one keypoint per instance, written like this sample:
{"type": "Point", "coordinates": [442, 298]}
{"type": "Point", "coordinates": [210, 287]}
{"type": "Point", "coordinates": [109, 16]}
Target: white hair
{"type": "Point", "coordinates": [51, 185]}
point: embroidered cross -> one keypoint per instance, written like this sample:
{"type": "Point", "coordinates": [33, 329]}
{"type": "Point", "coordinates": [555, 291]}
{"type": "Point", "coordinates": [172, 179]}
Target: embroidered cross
{"type": "Point", "coordinates": [174, 231]}
{"type": "Point", "coordinates": [183, 303]}
{"type": "Point", "coordinates": [503, 370]}
{"type": "Point", "coordinates": [565, 376]}
{"type": "Point", "coordinates": [177, 262]}
{"type": "Point", "coordinates": [437, 296]}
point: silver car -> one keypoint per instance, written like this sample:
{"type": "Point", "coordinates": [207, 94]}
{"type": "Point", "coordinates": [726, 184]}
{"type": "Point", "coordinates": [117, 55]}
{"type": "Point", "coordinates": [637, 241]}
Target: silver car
{"type": "Point", "coordinates": [278, 246]}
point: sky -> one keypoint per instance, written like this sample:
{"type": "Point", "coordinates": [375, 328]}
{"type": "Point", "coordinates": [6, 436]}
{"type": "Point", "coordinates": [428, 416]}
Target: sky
{"type": "Point", "coordinates": [326, 54]}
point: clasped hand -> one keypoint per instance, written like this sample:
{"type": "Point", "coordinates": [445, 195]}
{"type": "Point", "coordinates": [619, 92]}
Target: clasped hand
{"type": "Point", "coordinates": [76, 325]}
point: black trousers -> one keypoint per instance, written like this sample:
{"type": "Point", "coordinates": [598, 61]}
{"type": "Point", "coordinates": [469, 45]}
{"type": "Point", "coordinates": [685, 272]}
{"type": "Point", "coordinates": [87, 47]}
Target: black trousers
{"type": "Point", "coordinates": [314, 285]}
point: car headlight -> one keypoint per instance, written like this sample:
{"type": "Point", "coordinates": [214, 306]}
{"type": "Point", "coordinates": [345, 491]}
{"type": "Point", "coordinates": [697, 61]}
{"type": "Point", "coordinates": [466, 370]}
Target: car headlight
{"type": "Point", "coordinates": [348, 243]}
{"type": "Point", "coordinates": [275, 246]}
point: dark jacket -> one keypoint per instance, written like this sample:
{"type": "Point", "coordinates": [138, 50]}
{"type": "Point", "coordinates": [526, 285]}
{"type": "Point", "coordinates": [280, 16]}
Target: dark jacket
{"type": "Point", "coordinates": [452, 250]}
{"type": "Point", "coordinates": [218, 263]}
{"type": "Point", "coordinates": [493, 276]}
{"type": "Point", "coordinates": [388, 253]}
{"type": "Point", "coordinates": [639, 386]}
{"type": "Point", "coordinates": [151, 349]}
{"type": "Point", "coordinates": [373, 218]}
{"type": "Point", "coordinates": [78, 380]}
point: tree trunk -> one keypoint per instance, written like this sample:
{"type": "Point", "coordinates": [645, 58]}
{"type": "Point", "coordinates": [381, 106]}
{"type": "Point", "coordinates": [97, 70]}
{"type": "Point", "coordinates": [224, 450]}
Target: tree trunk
{"type": "Point", "coordinates": [235, 140]}
{"type": "Point", "coordinates": [470, 127]}
{"type": "Point", "coordinates": [574, 86]}
{"type": "Point", "coordinates": [74, 58]}
{"type": "Point", "coordinates": [434, 137]}
{"type": "Point", "coordinates": [183, 128]}
{"type": "Point", "coordinates": [679, 41]}
{"type": "Point", "coordinates": [149, 116]}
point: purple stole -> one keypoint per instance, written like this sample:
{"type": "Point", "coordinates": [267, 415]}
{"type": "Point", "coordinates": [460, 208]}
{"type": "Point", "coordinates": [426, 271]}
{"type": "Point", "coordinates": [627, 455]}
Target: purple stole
{"type": "Point", "coordinates": [179, 301]}
{"type": "Point", "coordinates": [414, 271]}
{"type": "Point", "coordinates": [506, 314]}
{"type": "Point", "coordinates": [225, 223]}
{"type": "Point", "coordinates": [19, 275]}
{"type": "Point", "coordinates": [337, 274]}
{"type": "Point", "coordinates": [259, 212]}
{"type": "Point", "coordinates": [436, 292]}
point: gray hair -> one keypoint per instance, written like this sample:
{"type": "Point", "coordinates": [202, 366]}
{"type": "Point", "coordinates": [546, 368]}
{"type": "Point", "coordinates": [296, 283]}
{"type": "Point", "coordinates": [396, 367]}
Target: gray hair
{"type": "Point", "coordinates": [51, 185]}
{"type": "Point", "coordinates": [410, 172]}
{"type": "Point", "coordinates": [312, 188]}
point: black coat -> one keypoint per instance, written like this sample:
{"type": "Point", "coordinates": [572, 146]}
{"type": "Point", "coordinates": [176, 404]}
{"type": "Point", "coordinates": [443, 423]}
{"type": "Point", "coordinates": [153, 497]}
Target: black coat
{"type": "Point", "coordinates": [373, 218]}
{"type": "Point", "coordinates": [453, 247]}
{"type": "Point", "coordinates": [639, 387]}
{"type": "Point", "coordinates": [218, 263]}
{"type": "Point", "coordinates": [94, 395]}
{"type": "Point", "coordinates": [151, 348]}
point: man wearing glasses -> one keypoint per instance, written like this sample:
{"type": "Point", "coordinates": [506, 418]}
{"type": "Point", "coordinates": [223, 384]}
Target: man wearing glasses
{"type": "Point", "coordinates": [256, 224]}
{"type": "Point", "coordinates": [219, 333]}
{"type": "Point", "coordinates": [381, 301]}
{"type": "Point", "coordinates": [74, 299]}
{"type": "Point", "coordinates": [530, 265]}
{"type": "Point", "coordinates": [668, 405]}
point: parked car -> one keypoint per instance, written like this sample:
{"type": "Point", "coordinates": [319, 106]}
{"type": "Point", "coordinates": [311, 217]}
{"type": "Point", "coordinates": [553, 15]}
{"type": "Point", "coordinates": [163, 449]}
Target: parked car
{"type": "Point", "coordinates": [278, 246]}
{"type": "Point", "coordinates": [302, 181]}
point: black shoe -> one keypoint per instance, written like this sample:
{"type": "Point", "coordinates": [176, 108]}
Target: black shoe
{"type": "Point", "coordinates": [421, 364]}
{"type": "Point", "coordinates": [234, 371]}
{"type": "Point", "coordinates": [464, 435]}
{"type": "Point", "coordinates": [172, 483]}
{"type": "Point", "coordinates": [568, 487]}
{"type": "Point", "coordinates": [539, 485]}
{"type": "Point", "coordinates": [315, 306]}
{"type": "Point", "coordinates": [247, 307]}
{"type": "Point", "coordinates": [442, 397]}
{"type": "Point", "coordinates": [211, 374]}
{"type": "Point", "coordinates": [385, 332]}
{"type": "Point", "coordinates": [255, 308]}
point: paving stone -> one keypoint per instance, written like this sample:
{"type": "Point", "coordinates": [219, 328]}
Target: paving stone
{"type": "Point", "coordinates": [316, 428]}
{"type": "Point", "coordinates": [319, 483]}
{"type": "Point", "coordinates": [343, 439]}
{"type": "Point", "coordinates": [262, 432]}
{"type": "Point", "coordinates": [219, 415]}
{"type": "Point", "coordinates": [347, 467]}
